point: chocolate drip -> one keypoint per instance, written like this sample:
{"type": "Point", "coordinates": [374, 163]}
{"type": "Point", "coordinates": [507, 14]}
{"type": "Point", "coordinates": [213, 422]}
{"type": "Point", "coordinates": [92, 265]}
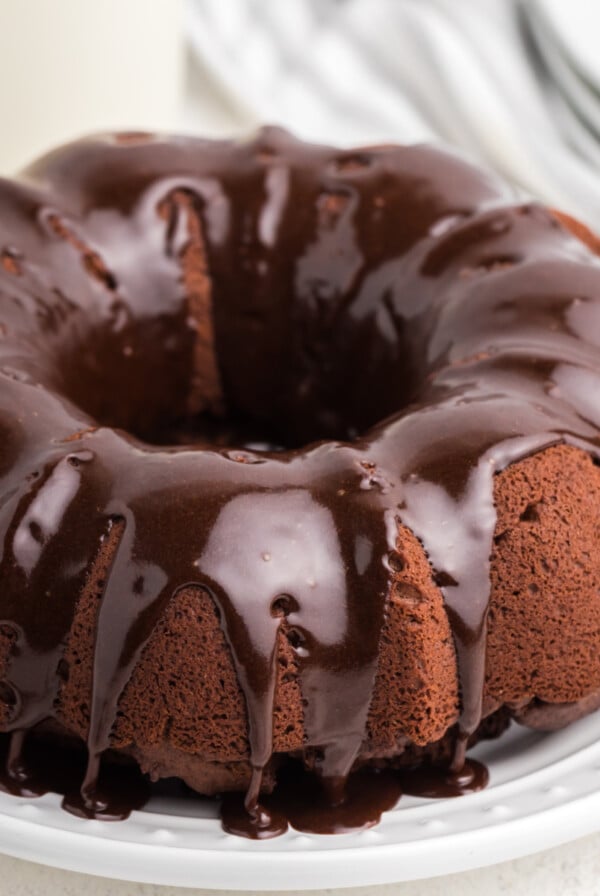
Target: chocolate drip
{"type": "Point", "coordinates": [343, 288]}
{"type": "Point", "coordinates": [438, 783]}
{"type": "Point", "coordinates": [42, 764]}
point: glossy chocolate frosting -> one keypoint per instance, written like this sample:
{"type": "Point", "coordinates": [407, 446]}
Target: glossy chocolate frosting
{"type": "Point", "coordinates": [346, 287]}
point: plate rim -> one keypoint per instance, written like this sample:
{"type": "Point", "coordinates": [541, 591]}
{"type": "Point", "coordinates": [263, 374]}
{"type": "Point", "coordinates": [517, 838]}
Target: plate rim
{"type": "Point", "coordinates": [78, 847]}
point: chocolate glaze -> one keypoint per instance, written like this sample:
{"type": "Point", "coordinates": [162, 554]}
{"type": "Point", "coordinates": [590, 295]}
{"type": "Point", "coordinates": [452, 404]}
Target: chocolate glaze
{"type": "Point", "coordinates": [301, 800]}
{"type": "Point", "coordinates": [45, 765]}
{"type": "Point", "coordinates": [394, 283]}
{"type": "Point", "coordinates": [435, 782]}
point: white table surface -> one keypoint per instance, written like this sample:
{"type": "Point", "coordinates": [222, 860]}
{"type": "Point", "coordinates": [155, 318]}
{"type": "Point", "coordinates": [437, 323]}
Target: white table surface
{"type": "Point", "coordinates": [571, 870]}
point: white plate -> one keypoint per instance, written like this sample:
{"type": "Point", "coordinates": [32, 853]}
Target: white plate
{"type": "Point", "coordinates": [544, 790]}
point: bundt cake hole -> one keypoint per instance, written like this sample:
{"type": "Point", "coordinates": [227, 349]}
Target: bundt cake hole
{"type": "Point", "coordinates": [124, 353]}
{"type": "Point", "coordinates": [160, 380]}
{"type": "Point", "coordinates": [95, 391]}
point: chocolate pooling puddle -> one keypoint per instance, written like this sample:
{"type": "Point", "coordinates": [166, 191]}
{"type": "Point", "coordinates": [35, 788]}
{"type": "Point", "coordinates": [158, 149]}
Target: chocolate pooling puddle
{"type": "Point", "coordinates": [44, 764]}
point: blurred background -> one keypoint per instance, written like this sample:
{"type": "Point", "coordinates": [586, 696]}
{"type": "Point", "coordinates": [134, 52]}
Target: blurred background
{"type": "Point", "coordinates": [515, 83]}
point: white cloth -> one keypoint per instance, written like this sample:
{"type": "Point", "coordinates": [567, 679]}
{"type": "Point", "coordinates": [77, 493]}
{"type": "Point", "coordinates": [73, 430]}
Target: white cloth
{"type": "Point", "coordinates": [514, 83]}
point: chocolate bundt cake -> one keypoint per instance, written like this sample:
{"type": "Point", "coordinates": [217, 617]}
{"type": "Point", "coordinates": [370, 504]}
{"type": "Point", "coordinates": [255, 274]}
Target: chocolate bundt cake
{"type": "Point", "coordinates": [217, 560]}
